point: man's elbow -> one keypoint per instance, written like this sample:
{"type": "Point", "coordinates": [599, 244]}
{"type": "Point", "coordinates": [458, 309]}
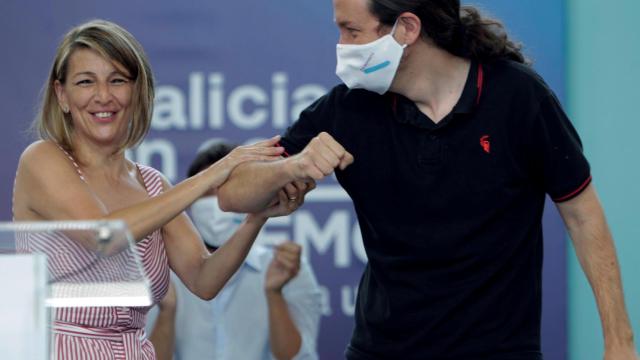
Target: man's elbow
{"type": "Point", "coordinates": [292, 351]}
{"type": "Point", "coordinates": [206, 294]}
{"type": "Point", "coordinates": [229, 200]}
{"type": "Point", "coordinates": [224, 199]}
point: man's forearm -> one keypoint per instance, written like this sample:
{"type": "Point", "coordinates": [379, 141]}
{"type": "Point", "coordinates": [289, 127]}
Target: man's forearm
{"type": "Point", "coordinates": [252, 186]}
{"type": "Point", "coordinates": [284, 337]}
{"type": "Point", "coordinates": [597, 255]}
{"type": "Point", "coordinates": [163, 334]}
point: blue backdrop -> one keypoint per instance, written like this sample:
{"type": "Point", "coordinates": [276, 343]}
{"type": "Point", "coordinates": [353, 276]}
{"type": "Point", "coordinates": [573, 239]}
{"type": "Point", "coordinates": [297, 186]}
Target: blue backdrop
{"type": "Point", "coordinates": [243, 70]}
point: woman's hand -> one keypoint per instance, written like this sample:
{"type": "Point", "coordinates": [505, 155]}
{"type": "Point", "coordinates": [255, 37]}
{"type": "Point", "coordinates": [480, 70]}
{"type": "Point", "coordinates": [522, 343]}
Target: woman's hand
{"type": "Point", "coordinates": [261, 151]}
{"type": "Point", "coordinates": [288, 200]}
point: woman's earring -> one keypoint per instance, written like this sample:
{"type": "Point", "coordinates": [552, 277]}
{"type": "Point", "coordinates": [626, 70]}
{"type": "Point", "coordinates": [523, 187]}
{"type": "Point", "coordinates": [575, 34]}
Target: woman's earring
{"type": "Point", "coordinates": [65, 109]}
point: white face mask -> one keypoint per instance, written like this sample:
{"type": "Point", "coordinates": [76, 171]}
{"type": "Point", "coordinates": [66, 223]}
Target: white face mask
{"type": "Point", "coordinates": [214, 225]}
{"type": "Point", "coordinates": [370, 66]}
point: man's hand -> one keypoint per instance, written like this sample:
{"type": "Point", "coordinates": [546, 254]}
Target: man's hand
{"type": "Point", "coordinates": [622, 353]}
{"type": "Point", "coordinates": [320, 158]}
{"type": "Point", "coordinates": [283, 267]}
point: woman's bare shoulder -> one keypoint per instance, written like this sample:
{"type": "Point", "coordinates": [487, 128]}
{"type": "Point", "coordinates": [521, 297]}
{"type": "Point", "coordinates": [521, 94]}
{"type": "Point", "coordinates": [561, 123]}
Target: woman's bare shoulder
{"type": "Point", "coordinates": [42, 154]}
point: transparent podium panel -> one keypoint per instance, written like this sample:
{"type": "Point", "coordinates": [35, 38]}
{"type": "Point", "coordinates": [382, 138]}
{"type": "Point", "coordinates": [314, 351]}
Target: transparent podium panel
{"type": "Point", "coordinates": [88, 263]}
{"type": "Point", "coordinates": [24, 316]}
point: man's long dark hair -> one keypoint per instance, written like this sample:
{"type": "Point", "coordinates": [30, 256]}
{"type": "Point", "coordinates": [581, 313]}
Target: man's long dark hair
{"type": "Point", "coordinates": [460, 30]}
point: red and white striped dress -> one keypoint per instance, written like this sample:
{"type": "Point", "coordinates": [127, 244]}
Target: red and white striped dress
{"type": "Point", "coordinates": [102, 332]}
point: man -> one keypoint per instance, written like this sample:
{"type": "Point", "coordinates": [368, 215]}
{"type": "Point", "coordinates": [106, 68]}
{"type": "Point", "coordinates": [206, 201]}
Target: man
{"type": "Point", "coordinates": [456, 141]}
{"type": "Point", "coordinates": [269, 309]}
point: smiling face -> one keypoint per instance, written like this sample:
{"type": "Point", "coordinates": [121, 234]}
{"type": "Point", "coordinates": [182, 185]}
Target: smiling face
{"type": "Point", "coordinates": [97, 93]}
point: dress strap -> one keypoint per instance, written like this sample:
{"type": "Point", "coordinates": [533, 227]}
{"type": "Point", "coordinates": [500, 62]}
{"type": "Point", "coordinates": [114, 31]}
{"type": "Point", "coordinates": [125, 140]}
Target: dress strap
{"type": "Point", "coordinates": [73, 161]}
{"type": "Point", "coordinates": [151, 178]}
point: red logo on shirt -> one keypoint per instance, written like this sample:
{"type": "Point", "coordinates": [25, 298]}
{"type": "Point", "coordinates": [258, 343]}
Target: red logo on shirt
{"type": "Point", "coordinates": [486, 145]}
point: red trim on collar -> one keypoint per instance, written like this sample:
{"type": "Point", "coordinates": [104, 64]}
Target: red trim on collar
{"type": "Point", "coordinates": [479, 86]}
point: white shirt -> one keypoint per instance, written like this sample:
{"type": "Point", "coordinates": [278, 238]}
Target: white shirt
{"type": "Point", "coordinates": [235, 324]}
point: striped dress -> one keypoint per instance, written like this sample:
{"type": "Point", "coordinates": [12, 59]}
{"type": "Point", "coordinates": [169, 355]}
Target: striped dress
{"type": "Point", "coordinates": [102, 332]}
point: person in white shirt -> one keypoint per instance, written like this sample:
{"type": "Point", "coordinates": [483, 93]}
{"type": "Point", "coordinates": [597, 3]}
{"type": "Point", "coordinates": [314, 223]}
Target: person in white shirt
{"type": "Point", "coordinates": [269, 309]}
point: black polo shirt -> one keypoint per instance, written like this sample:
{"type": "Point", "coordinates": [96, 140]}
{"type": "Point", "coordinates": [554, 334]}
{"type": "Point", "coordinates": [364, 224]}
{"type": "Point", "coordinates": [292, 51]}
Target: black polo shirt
{"type": "Point", "coordinates": [451, 213]}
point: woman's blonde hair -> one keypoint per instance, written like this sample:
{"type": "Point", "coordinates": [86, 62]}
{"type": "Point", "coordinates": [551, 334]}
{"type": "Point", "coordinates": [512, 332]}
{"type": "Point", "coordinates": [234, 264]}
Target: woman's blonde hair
{"type": "Point", "coordinates": [115, 44]}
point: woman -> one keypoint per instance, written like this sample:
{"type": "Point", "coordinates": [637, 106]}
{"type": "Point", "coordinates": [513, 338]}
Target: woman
{"type": "Point", "coordinates": [97, 103]}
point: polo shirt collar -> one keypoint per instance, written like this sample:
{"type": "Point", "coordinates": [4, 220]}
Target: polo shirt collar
{"type": "Point", "coordinates": [406, 111]}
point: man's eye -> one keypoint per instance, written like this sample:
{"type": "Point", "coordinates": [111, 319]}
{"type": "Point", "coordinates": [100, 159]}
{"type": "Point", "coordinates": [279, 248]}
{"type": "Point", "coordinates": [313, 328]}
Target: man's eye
{"type": "Point", "coordinates": [353, 33]}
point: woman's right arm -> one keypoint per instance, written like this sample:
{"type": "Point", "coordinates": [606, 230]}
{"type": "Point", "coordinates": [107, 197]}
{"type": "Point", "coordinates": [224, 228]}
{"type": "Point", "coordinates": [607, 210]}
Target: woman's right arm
{"type": "Point", "coordinates": [47, 185]}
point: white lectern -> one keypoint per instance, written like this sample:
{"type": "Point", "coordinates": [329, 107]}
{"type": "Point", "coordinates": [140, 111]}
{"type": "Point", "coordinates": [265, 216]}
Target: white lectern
{"type": "Point", "coordinates": [47, 265]}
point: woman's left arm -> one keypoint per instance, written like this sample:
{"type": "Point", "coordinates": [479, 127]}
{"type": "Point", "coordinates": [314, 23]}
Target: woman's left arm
{"type": "Point", "coordinates": [204, 273]}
